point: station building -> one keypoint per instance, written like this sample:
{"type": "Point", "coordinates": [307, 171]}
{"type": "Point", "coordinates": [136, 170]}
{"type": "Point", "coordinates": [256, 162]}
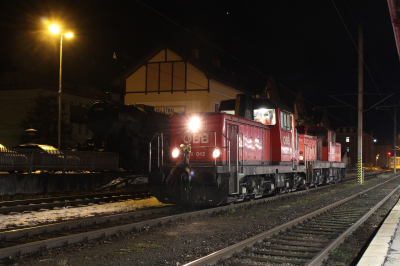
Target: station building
{"type": "Point", "coordinates": [175, 82]}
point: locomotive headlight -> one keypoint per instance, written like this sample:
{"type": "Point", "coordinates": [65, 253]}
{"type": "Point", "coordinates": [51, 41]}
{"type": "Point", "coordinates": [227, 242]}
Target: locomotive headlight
{"type": "Point", "coordinates": [194, 124]}
{"type": "Point", "coordinates": [175, 153]}
{"type": "Point", "coordinates": [216, 153]}
{"type": "Point", "coordinates": [301, 158]}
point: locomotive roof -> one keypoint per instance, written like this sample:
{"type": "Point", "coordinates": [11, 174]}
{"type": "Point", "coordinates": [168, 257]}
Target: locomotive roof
{"type": "Point", "coordinates": [314, 127]}
{"type": "Point", "coordinates": [269, 104]}
{"type": "Point", "coordinates": [257, 103]}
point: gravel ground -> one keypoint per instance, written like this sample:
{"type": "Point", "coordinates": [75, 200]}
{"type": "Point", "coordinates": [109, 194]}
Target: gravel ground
{"type": "Point", "coordinates": [181, 242]}
{"type": "Point", "coordinates": [351, 250]}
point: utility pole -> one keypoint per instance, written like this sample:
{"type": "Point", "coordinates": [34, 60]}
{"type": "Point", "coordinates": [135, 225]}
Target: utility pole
{"type": "Point", "coordinates": [360, 176]}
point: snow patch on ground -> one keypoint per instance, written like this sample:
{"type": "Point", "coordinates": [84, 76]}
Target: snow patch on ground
{"type": "Point", "coordinates": [69, 213]}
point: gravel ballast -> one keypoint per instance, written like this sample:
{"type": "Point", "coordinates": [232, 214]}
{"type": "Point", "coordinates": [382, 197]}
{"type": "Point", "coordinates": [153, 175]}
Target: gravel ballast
{"type": "Point", "coordinates": [184, 241]}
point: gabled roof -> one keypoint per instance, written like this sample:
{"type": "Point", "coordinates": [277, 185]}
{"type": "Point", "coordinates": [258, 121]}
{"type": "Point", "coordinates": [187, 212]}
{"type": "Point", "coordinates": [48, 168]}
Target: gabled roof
{"type": "Point", "coordinates": [203, 64]}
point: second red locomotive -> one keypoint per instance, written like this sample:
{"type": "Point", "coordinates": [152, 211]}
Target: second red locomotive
{"type": "Point", "coordinates": [248, 150]}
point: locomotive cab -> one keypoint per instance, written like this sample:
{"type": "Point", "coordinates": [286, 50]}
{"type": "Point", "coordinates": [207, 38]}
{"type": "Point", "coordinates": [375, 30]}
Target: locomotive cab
{"type": "Point", "coordinates": [324, 164]}
{"type": "Point", "coordinates": [210, 155]}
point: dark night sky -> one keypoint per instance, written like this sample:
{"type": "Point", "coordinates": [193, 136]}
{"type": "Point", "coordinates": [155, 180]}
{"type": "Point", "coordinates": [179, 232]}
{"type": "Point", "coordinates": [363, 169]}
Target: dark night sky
{"type": "Point", "coordinates": [306, 45]}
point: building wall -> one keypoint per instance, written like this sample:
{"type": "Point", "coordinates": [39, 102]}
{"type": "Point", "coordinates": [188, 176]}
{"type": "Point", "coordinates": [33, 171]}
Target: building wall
{"type": "Point", "coordinates": [17, 92]}
{"type": "Point", "coordinates": [351, 146]}
{"type": "Point", "coordinates": [172, 85]}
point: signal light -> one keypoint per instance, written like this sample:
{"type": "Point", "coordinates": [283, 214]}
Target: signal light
{"type": "Point", "coordinates": [389, 153]}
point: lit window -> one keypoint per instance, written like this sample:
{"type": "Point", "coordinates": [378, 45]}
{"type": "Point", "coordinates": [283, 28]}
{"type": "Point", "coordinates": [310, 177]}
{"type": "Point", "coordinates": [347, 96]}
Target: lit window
{"type": "Point", "coordinates": [265, 116]}
{"type": "Point", "coordinates": [347, 139]}
{"type": "Point", "coordinates": [348, 149]}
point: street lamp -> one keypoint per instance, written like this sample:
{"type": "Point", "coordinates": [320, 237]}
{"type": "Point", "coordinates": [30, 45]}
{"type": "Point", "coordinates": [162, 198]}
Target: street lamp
{"type": "Point", "coordinates": [56, 30]}
{"type": "Point", "coordinates": [377, 156]}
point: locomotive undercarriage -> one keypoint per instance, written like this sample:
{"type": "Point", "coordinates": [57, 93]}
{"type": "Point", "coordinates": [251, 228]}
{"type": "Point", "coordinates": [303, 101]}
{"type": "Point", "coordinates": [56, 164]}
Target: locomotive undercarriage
{"type": "Point", "coordinates": [327, 176]}
{"type": "Point", "coordinates": [205, 186]}
{"type": "Point", "coordinates": [263, 185]}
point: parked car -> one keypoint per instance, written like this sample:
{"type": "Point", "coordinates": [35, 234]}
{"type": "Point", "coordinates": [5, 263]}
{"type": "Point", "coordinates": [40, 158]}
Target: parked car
{"type": "Point", "coordinates": [46, 157]}
{"type": "Point", "coordinates": [12, 161]}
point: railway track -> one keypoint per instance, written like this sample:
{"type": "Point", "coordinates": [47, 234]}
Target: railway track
{"type": "Point", "coordinates": [26, 240]}
{"type": "Point", "coordinates": [33, 239]}
{"type": "Point", "coordinates": [28, 205]}
{"type": "Point", "coordinates": [305, 240]}
{"type": "Point", "coordinates": [74, 201]}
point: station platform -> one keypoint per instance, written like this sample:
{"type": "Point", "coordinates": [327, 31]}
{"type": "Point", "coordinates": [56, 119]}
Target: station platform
{"type": "Point", "coordinates": [385, 247]}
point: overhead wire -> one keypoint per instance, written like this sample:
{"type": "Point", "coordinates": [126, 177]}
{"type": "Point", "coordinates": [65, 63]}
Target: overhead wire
{"type": "Point", "coordinates": [229, 54]}
{"type": "Point", "coordinates": [362, 57]}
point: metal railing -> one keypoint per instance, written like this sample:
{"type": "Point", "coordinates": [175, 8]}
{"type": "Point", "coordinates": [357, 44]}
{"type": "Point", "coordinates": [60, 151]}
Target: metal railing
{"type": "Point", "coordinates": [20, 159]}
{"type": "Point", "coordinates": [160, 149]}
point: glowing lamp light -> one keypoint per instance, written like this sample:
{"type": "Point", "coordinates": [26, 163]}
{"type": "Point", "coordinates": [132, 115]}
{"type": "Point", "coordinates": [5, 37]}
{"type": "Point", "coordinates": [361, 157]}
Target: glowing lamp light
{"type": "Point", "coordinates": [68, 35]}
{"type": "Point", "coordinates": [216, 153]}
{"type": "Point", "coordinates": [54, 29]}
{"type": "Point", "coordinates": [175, 153]}
{"type": "Point", "coordinates": [301, 158]}
{"type": "Point", "coordinates": [389, 153]}
{"type": "Point", "coordinates": [194, 124]}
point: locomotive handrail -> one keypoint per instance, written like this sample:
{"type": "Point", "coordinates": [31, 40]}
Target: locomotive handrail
{"type": "Point", "coordinates": [157, 135]}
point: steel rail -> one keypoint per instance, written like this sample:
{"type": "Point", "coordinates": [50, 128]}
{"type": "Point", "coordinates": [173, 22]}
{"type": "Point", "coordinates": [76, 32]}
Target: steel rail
{"type": "Point", "coordinates": [80, 237]}
{"type": "Point", "coordinates": [46, 203]}
{"type": "Point", "coordinates": [213, 258]}
{"type": "Point", "coordinates": [15, 233]}
{"type": "Point", "coordinates": [323, 254]}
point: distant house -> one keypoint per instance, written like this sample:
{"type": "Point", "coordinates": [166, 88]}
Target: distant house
{"type": "Point", "coordinates": [348, 138]}
{"type": "Point", "coordinates": [174, 81]}
{"type": "Point", "coordinates": [17, 91]}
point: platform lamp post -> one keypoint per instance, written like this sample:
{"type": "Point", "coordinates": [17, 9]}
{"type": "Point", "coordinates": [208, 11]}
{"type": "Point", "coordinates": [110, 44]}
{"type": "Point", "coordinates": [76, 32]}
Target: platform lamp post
{"type": "Point", "coordinates": [56, 30]}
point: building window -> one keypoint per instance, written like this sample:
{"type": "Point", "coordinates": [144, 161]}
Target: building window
{"type": "Point", "coordinates": [79, 129]}
{"type": "Point", "coordinates": [348, 149]}
{"type": "Point", "coordinates": [347, 139]}
{"type": "Point", "coordinates": [216, 107]}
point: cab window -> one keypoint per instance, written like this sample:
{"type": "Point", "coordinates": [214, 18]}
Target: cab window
{"type": "Point", "coordinates": [320, 134]}
{"type": "Point", "coordinates": [285, 121]}
{"type": "Point", "coordinates": [265, 116]}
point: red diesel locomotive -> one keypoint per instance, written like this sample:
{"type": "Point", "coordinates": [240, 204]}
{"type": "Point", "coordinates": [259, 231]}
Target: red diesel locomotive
{"type": "Point", "coordinates": [248, 150]}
